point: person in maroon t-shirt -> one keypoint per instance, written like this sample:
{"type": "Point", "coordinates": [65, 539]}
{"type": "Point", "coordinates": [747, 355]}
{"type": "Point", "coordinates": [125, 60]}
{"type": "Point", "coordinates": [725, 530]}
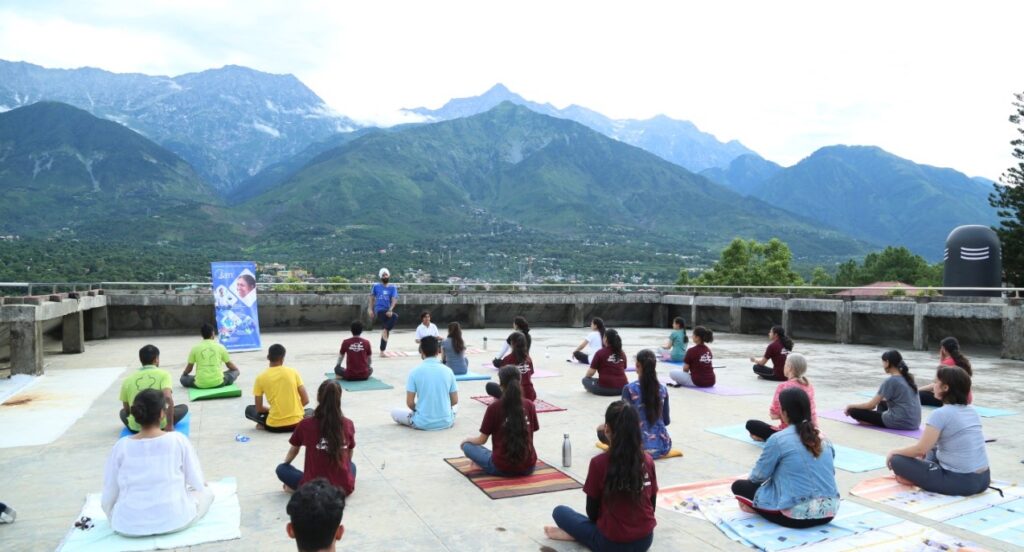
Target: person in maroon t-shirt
{"type": "Point", "coordinates": [697, 370]}
{"type": "Point", "coordinates": [780, 346]}
{"type": "Point", "coordinates": [511, 421]}
{"type": "Point", "coordinates": [359, 354]}
{"type": "Point", "coordinates": [520, 358]}
{"type": "Point", "coordinates": [329, 438]}
{"type": "Point", "coordinates": [609, 364]}
{"type": "Point", "coordinates": [620, 498]}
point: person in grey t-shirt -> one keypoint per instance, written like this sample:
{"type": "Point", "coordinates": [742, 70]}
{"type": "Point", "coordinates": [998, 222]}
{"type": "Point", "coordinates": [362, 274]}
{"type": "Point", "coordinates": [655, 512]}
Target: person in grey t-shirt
{"type": "Point", "coordinates": [453, 350]}
{"type": "Point", "coordinates": [953, 446]}
{"type": "Point", "coordinates": [896, 405]}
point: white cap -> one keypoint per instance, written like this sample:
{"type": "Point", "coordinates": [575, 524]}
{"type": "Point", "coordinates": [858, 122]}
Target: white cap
{"type": "Point", "coordinates": [383, 271]}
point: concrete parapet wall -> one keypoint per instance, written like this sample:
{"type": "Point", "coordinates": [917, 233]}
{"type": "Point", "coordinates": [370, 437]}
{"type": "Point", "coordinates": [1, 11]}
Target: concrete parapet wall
{"type": "Point", "coordinates": [919, 322]}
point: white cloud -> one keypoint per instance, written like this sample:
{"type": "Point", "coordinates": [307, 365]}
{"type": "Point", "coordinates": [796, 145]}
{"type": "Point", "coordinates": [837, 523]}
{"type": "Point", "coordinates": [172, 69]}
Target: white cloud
{"type": "Point", "coordinates": [931, 81]}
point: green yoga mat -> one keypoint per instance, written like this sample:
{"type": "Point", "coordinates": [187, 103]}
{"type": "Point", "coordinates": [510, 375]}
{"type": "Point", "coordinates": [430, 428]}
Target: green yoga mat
{"type": "Point", "coordinates": [226, 392]}
{"type": "Point", "coordinates": [371, 384]}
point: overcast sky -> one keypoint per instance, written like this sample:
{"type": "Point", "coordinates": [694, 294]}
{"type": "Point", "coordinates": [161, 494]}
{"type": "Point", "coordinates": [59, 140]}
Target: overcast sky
{"type": "Point", "coordinates": [932, 81]}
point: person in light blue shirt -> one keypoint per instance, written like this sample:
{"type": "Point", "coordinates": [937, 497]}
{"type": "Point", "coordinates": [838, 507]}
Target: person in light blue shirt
{"type": "Point", "coordinates": [431, 396]}
{"type": "Point", "coordinates": [383, 298]}
{"type": "Point", "coordinates": [793, 483]}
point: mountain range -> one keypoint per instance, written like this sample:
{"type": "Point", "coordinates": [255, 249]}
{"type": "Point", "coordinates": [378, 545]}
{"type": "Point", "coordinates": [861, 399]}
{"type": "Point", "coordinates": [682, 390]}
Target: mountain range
{"type": "Point", "coordinates": [65, 172]}
{"type": "Point", "coordinates": [680, 142]}
{"type": "Point", "coordinates": [228, 123]}
{"type": "Point", "coordinates": [236, 156]}
{"type": "Point", "coordinates": [868, 193]}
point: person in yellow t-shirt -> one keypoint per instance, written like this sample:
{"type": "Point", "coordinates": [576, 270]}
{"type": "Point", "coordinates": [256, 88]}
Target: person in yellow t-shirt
{"type": "Point", "coordinates": [207, 358]}
{"type": "Point", "coordinates": [150, 376]}
{"type": "Point", "coordinates": [286, 395]}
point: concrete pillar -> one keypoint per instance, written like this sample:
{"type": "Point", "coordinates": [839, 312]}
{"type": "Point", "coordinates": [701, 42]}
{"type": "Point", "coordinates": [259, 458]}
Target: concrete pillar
{"type": "Point", "coordinates": [785, 317]}
{"type": "Point", "coordinates": [97, 323]}
{"type": "Point", "coordinates": [692, 322]}
{"type": "Point", "coordinates": [736, 315]}
{"type": "Point", "coordinates": [27, 348]}
{"type": "Point", "coordinates": [921, 324]}
{"type": "Point", "coordinates": [73, 333]}
{"type": "Point", "coordinates": [659, 318]}
{"type": "Point", "coordinates": [576, 315]}
{"type": "Point", "coordinates": [1013, 331]}
{"type": "Point", "coordinates": [844, 321]}
{"type": "Point", "coordinates": [477, 315]}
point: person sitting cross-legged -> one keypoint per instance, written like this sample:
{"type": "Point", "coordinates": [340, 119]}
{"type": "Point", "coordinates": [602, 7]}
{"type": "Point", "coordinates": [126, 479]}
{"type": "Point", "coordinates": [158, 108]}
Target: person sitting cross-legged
{"type": "Point", "coordinates": [285, 394]}
{"type": "Point", "coordinates": [207, 358]}
{"type": "Point", "coordinates": [511, 420]}
{"type": "Point", "coordinates": [431, 395]}
{"type": "Point", "coordinates": [329, 438]}
{"type": "Point", "coordinates": [153, 483]}
{"type": "Point", "coordinates": [150, 376]}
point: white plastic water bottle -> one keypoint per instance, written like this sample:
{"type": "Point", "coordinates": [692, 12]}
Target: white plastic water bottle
{"type": "Point", "coordinates": [485, 343]}
{"type": "Point", "coordinates": [566, 452]}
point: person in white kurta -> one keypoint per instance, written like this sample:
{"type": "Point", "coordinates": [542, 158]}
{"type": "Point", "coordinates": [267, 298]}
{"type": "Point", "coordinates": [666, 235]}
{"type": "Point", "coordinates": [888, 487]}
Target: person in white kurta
{"type": "Point", "coordinates": [153, 483]}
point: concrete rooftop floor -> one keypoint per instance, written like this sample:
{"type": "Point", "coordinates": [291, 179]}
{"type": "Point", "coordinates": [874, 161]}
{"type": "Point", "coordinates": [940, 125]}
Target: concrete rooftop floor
{"type": "Point", "coordinates": [408, 498]}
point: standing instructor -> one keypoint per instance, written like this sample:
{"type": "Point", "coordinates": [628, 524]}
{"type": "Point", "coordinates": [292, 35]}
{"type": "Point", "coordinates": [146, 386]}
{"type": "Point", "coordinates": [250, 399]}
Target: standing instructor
{"type": "Point", "coordinates": [383, 298]}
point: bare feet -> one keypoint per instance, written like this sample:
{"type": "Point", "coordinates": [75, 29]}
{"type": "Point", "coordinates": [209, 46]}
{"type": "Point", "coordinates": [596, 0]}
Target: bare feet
{"type": "Point", "coordinates": [746, 507]}
{"type": "Point", "coordinates": [902, 481]}
{"type": "Point", "coordinates": [756, 438]}
{"type": "Point", "coordinates": [554, 533]}
{"type": "Point", "coordinates": [287, 489]}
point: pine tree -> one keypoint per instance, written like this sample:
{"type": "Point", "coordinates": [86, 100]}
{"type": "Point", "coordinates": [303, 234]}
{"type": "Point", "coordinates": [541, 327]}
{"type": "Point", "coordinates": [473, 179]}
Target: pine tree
{"type": "Point", "coordinates": [1008, 199]}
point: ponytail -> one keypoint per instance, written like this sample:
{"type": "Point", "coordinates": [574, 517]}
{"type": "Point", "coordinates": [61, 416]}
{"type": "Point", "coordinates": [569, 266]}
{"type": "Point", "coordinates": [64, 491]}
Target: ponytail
{"type": "Point", "coordinates": [627, 469]}
{"type": "Point", "coordinates": [520, 348]}
{"type": "Point", "coordinates": [895, 359]}
{"type": "Point", "coordinates": [706, 336]}
{"type": "Point", "coordinates": [952, 347]}
{"type": "Point", "coordinates": [797, 406]}
{"type": "Point", "coordinates": [798, 367]}
{"type": "Point", "coordinates": [455, 334]}
{"type": "Point", "coordinates": [682, 326]}
{"type": "Point", "coordinates": [650, 387]}
{"type": "Point", "coordinates": [516, 431]}
{"type": "Point", "coordinates": [615, 343]}
{"type": "Point", "coordinates": [780, 332]}
{"type": "Point", "coordinates": [600, 326]}
{"type": "Point", "coordinates": [523, 327]}
{"type": "Point", "coordinates": [330, 418]}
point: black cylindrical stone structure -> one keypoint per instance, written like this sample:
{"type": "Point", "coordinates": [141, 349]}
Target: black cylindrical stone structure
{"type": "Point", "coordinates": [973, 259]}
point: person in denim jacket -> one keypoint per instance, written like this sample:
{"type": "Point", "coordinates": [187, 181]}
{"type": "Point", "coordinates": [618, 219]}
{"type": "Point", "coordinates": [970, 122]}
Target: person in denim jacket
{"type": "Point", "coordinates": [793, 483]}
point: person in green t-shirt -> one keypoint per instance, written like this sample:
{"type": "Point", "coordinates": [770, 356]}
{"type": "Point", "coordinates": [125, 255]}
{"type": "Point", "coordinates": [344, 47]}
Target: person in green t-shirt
{"type": "Point", "coordinates": [675, 348]}
{"type": "Point", "coordinates": [207, 358]}
{"type": "Point", "coordinates": [150, 376]}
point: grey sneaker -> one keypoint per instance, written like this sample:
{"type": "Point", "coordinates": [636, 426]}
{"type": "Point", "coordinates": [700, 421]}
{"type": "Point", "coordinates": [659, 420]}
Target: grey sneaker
{"type": "Point", "coordinates": [8, 515]}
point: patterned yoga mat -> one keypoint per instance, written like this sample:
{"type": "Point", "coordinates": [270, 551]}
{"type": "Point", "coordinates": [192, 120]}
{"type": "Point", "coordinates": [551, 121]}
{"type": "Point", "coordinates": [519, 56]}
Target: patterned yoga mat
{"type": "Point", "coordinates": [544, 479]}
{"type": "Point", "coordinates": [855, 527]}
{"type": "Point", "coordinates": [992, 514]}
{"type": "Point", "coordinates": [541, 405]}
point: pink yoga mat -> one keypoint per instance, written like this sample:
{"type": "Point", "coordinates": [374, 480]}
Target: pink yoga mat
{"type": "Point", "coordinates": [537, 374]}
{"type": "Point", "coordinates": [716, 389]}
{"type": "Point", "coordinates": [839, 415]}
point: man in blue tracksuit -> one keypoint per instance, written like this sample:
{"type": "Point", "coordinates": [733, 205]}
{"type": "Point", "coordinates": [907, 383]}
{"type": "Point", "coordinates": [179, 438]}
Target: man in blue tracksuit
{"type": "Point", "coordinates": [383, 298]}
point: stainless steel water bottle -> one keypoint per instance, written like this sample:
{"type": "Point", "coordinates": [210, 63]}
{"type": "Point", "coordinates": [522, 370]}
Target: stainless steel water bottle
{"type": "Point", "coordinates": [566, 452]}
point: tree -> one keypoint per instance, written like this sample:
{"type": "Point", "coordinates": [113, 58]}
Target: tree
{"type": "Point", "coordinates": [1008, 199]}
{"type": "Point", "coordinates": [893, 264]}
{"type": "Point", "coordinates": [819, 277]}
{"type": "Point", "coordinates": [751, 263]}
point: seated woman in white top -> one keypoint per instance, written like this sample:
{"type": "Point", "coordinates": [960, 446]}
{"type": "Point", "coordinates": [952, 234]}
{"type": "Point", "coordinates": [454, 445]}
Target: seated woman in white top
{"type": "Point", "coordinates": [153, 483]}
{"type": "Point", "coordinates": [593, 342]}
{"type": "Point", "coordinates": [426, 327]}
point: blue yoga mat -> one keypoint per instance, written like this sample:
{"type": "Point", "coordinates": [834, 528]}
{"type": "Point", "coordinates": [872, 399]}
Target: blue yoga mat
{"type": "Point", "coordinates": [183, 426]}
{"type": "Point", "coordinates": [847, 459]}
{"type": "Point", "coordinates": [471, 376]}
{"type": "Point", "coordinates": [983, 411]}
